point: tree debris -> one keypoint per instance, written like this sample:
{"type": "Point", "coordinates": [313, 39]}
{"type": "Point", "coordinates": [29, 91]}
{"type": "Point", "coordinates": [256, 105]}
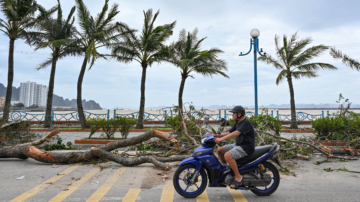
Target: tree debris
{"type": "Point", "coordinates": [29, 150]}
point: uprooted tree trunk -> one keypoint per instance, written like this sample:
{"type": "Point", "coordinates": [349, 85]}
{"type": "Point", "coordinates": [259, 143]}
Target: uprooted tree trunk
{"type": "Point", "coordinates": [29, 150]}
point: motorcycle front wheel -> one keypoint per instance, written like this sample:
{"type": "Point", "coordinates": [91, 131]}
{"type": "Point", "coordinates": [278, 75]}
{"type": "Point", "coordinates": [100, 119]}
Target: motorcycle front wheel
{"type": "Point", "coordinates": [275, 181]}
{"type": "Point", "coordinates": [182, 184]}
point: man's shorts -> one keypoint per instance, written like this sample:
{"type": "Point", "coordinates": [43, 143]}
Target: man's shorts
{"type": "Point", "coordinates": [236, 151]}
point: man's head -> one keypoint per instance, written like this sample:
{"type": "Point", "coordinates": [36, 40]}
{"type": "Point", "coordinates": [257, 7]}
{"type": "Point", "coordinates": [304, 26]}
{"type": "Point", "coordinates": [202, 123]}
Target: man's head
{"type": "Point", "coordinates": [238, 112]}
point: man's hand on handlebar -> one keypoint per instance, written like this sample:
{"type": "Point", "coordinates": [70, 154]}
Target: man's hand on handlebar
{"type": "Point", "coordinates": [218, 140]}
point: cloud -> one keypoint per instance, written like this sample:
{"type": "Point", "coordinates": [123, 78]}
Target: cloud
{"type": "Point", "coordinates": [227, 25]}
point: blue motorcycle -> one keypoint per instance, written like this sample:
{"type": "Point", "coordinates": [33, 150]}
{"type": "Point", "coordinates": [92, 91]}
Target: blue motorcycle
{"type": "Point", "coordinates": [259, 175]}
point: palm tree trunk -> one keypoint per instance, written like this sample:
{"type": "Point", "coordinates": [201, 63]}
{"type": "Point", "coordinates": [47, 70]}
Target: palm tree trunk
{"type": "Point", "coordinates": [140, 122]}
{"type": "Point", "coordinates": [10, 80]}
{"type": "Point", "coordinates": [181, 91]}
{"type": "Point", "coordinates": [79, 98]}
{"type": "Point", "coordinates": [292, 103]}
{"type": "Point", "coordinates": [48, 121]}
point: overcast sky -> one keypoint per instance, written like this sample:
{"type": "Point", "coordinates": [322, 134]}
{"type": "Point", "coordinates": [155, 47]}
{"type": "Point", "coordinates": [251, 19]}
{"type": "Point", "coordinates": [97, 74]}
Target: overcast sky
{"type": "Point", "coordinates": [227, 25]}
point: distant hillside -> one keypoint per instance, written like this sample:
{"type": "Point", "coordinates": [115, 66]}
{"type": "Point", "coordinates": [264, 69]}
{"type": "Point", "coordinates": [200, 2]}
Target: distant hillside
{"type": "Point", "coordinates": [57, 100]}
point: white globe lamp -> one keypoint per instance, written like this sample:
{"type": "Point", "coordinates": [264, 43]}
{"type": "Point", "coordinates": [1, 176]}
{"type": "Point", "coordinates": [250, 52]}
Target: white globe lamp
{"type": "Point", "coordinates": [255, 33]}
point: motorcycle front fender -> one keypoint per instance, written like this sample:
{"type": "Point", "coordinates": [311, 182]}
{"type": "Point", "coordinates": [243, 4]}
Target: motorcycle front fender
{"type": "Point", "coordinates": [191, 160]}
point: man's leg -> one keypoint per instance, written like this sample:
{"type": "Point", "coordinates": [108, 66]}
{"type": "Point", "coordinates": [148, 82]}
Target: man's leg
{"type": "Point", "coordinates": [221, 152]}
{"type": "Point", "coordinates": [233, 165]}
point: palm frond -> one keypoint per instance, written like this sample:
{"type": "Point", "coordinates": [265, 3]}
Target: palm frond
{"type": "Point", "coordinates": [300, 74]}
{"type": "Point", "coordinates": [280, 50]}
{"type": "Point", "coordinates": [309, 54]}
{"type": "Point", "coordinates": [352, 63]}
{"type": "Point", "coordinates": [315, 66]}
{"type": "Point", "coordinates": [283, 74]}
{"type": "Point", "coordinates": [271, 61]}
{"type": "Point", "coordinates": [45, 64]}
{"type": "Point", "coordinates": [297, 48]}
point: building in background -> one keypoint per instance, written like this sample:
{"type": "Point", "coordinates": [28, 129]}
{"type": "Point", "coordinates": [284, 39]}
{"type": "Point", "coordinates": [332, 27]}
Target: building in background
{"type": "Point", "coordinates": [33, 94]}
{"type": "Point", "coordinates": [2, 102]}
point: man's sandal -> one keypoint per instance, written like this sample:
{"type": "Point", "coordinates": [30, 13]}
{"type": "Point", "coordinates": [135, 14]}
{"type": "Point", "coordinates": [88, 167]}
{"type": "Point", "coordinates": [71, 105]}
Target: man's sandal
{"type": "Point", "coordinates": [236, 183]}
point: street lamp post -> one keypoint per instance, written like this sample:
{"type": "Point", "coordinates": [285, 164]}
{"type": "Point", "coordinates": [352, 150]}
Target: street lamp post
{"type": "Point", "coordinates": [255, 33]}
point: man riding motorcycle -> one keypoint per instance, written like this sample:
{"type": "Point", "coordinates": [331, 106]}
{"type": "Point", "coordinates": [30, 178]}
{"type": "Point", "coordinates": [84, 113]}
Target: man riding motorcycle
{"type": "Point", "coordinates": [244, 133]}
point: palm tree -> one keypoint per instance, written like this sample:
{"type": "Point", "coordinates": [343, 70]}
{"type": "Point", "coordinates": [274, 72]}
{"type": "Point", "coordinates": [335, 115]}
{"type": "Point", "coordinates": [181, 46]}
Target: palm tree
{"type": "Point", "coordinates": [293, 61]}
{"type": "Point", "coordinates": [146, 49]}
{"type": "Point", "coordinates": [95, 33]}
{"type": "Point", "coordinates": [187, 55]}
{"type": "Point", "coordinates": [55, 34]}
{"type": "Point", "coordinates": [19, 17]}
{"type": "Point", "coordinates": [352, 63]}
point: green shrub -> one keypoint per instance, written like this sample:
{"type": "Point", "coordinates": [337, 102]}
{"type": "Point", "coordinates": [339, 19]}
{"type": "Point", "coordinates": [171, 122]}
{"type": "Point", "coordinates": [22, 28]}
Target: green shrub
{"type": "Point", "coordinates": [266, 122]}
{"type": "Point", "coordinates": [338, 128]}
{"type": "Point", "coordinates": [108, 126]}
{"type": "Point", "coordinates": [125, 124]}
{"type": "Point", "coordinates": [94, 124]}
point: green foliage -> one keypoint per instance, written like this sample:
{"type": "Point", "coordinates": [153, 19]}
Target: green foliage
{"type": "Point", "coordinates": [289, 150]}
{"type": "Point", "coordinates": [286, 171]}
{"type": "Point", "coordinates": [176, 124]}
{"type": "Point", "coordinates": [125, 124]}
{"type": "Point", "coordinates": [110, 126]}
{"type": "Point", "coordinates": [266, 122]}
{"type": "Point", "coordinates": [344, 125]}
{"type": "Point", "coordinates": [337, 128]}
{"type": "Point", "coordinates": [328, 169]}
{"type": "Point", "coordinates": [55, 143]}
{"type": "Point", "coordinates": [94, 124]}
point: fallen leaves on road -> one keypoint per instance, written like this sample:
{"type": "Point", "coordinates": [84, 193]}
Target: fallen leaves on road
{"type": "Point", "coordinates": [41, 176]}
{"type": "Point", "coordinates": [164, 175]}
{"type": "Point", "coordinates": [48, 183]}
{"type": "Point", "coordinates": [66, 189]}
{"type": "Point", "coordinates": [55, 166]}
{"type": "Point", "coordinates": [328, 169]}
{"type": "Point", "coordinates": [61, 174]}
{"type": "Point", "coordinates": [77, 179]}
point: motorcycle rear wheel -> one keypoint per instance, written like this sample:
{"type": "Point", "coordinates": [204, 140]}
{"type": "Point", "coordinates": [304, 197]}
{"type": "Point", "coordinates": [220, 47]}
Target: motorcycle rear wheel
{"type": "Point", "coordinates": [265, 191]}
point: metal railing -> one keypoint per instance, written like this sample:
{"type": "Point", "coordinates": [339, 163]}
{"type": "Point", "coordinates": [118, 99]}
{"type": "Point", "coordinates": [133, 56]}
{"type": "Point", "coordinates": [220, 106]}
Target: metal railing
{"type": "Point", "coordinates": [74, 116]}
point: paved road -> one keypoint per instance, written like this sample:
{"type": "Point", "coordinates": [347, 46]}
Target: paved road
{"type": "Point", "coordinates": [141, 183]}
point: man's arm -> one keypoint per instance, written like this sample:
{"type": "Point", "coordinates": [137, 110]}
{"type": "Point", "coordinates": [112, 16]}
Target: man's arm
{"type": "Point", "coordinates": [228, 136]}
{"type": "Point", "coordinates": [223, 134]}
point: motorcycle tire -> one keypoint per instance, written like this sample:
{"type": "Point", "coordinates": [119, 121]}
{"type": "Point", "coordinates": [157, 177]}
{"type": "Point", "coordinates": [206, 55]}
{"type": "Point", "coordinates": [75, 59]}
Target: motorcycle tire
{"type": "Point", "coordinates": [273, 187]}
{"type": "Point", "coordinates": [178, 188]}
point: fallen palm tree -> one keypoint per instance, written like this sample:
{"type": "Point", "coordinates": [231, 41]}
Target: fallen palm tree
{"type": "Point", "coordinates": [30, 150]}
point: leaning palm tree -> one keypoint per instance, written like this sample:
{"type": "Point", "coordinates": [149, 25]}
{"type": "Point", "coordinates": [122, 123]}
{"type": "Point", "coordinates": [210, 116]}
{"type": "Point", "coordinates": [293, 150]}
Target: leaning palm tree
{"type": "Point", "coordinates": [352, 63]}
{"type": "Point", "coordinates": [146, 49]}
{"type": "Point", "coordinates": [55, 34]}
{"type": "Point", "coordinates": [293, 61]}
{"type": "Point", "coordinates": [19, 17]}
{"type": "Point", "coordinates": [95, 33]}
{"type": "Point", "coordinates": [188, 56]}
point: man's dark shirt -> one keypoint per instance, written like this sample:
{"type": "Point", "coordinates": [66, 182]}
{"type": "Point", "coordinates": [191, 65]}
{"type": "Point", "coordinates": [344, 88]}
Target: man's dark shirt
{"type": "Point", "coordinates": [247, 137]}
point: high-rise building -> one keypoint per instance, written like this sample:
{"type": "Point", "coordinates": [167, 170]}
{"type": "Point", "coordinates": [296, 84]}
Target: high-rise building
{"type": "Point", "coordinates": [2, 102]}
{"type": "Point", "coordinates": [33, 94]}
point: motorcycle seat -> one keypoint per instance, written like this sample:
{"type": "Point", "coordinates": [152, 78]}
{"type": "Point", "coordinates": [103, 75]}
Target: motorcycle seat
{"type": "Point", "coordinates": [259, 151]}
